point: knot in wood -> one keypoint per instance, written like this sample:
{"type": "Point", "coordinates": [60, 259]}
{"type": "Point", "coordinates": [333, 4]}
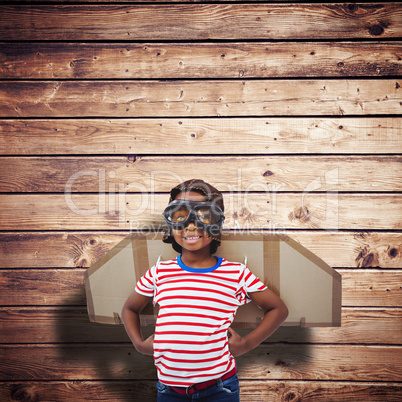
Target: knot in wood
{"type": "Point", "coordinates": [376, 30]}
{"type": "Point", "coordinates": [290, 396]}
{"type": "Point", "coordinates": [302, 214]}
{"type": "Point", "coordinates": [20, 392]}
{"type": "Point", "coordinates": [393, 252]}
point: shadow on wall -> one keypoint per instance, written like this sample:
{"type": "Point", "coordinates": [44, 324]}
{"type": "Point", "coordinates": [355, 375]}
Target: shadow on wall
{"type": "Point", "coordinates": [104, 354]}
{"type": "Point", "coordinates": [89, 361]}
{"type": "Point", "coordinates": [284, 355]}
{"type": "Point", "coordinates": [103, 357]}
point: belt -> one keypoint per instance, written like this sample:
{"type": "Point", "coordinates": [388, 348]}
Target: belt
{"type": "Point", "coordinates": [202, 385]}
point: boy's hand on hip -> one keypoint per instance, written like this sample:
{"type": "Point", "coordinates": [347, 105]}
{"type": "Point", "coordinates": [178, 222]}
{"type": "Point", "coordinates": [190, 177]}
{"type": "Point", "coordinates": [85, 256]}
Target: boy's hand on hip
{"type": "Point", "coordinates": [237, 344]}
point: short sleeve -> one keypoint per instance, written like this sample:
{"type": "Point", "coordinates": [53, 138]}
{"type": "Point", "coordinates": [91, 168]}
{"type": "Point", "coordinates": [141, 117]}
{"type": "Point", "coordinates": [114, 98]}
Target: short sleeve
{"type": "Point", "coordinates": [248, 283]}
{"type": "Point", "coordinates": [146, 285]}
{"type": "Point", "coordinates": [252, 283]}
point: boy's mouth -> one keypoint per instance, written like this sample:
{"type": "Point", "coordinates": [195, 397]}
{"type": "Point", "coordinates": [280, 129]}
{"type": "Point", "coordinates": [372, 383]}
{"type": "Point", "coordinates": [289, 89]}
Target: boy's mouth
{"type": "Point", "coordinates": [192, 237]}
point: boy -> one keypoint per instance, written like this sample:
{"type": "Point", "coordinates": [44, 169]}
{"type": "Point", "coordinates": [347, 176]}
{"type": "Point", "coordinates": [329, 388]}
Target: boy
{"type": "Point", "coordinates": [198, 294]}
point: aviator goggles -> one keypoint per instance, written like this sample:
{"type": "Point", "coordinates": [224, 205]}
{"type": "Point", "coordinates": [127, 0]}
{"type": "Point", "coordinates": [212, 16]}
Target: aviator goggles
{"type": "Point", "coordinates": [206, 215]}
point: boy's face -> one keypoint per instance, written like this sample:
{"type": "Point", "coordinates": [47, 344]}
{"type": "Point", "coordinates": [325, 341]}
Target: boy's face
{"type": "Point", "coordinates": [191, 238]}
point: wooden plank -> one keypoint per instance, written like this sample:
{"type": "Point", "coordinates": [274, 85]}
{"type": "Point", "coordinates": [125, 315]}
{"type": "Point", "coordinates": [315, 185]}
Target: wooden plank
{"type": "Point", "coordinates": [370, 135]}
{"type": "Point", "coordinates": [44, 60]}
{"type": "Point", "coordinates": [372, 287]}
{"type": "Point", "coordinates": [48, 287]}
{"type": "Point", "coordinates": [82, 249]}
{"type": "Point", "coordinates": [361, 363]}
{"type": "Point", "coordinates": [266, 362]}
{"type": "Point", "coordinates": [55, 250]}
{"type": "Point", "coordinates": [67, 391]}
{"type": "Point", "coordinates": [160, 174]}
{"type": "Point", "coordinates": [56, 325]}
{"type": "Point", "coordinates": [254, 391]}
{"type": "Point", "coordinates": [71, 325]}
{"type": "Point", "coordinates": [200, 21]}
{"type": "Point", "coordinates": [74, 362]}
{"type": "Point", "coordinates": [65, 287]}
{"type": "Point", "coordinates": [257, 211]}
{"type": "Point", "coordinates": [251, 391]}
{"type": "Point", "coordinates": [200, 98]}
{"type": "Point", "coordinates": [98, 390]}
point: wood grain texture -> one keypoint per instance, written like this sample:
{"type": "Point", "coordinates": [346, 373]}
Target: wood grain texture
{"type": "Point", "coordinates": [276, 135]}
{"type": "Point", "coordinates": [371, 288]}
{"type": "Point", "coordinates": [292, 108]}
{"type": "Point", "coordinates": [82, 249]}
{"type": "Point", "coordinates": [266, 362]}
{"type": "Point", "coordinates": [194, 98]}
{"type": "Point", "coordinates": [250, 391]}
{"type": "Point", "coordinates": [200, 21]}
{"type": "Point", "coordinates": [68, 391]}
{"type": "Point", "coordinates": [47, 60]}
{"type": "Point", "coordinates": [58, 287]}
{"type": "Point", "coordinates": [256, 211]}
{"type": "Point", "coordinates": [69, 324]}
{"type": "Point", "coordinates": [253, 391]}
{"type": "Point", "coordinates": [160, 174]}
{"type": "Point", "coordinates": [64, 287]}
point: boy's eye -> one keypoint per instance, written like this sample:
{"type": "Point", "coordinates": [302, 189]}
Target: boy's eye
{"type": "Point", "coordinates": [179, 216]}
{"type": "Point", "coordinates": [204, 216]}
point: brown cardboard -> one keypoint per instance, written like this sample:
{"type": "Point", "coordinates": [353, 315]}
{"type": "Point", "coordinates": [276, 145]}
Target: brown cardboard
{"type": "Point", "coordinates": [310, 288]}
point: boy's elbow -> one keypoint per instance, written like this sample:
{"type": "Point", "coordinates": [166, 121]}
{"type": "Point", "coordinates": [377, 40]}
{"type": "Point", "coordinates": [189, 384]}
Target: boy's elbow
{"type": "Point", "coordinates": [284, 312]}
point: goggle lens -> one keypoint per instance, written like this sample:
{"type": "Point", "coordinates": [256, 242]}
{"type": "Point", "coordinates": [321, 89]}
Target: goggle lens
{"type": "Point", "coordinates": [208, 216]}
{"type": "Point", "coordinates": [178, 216]}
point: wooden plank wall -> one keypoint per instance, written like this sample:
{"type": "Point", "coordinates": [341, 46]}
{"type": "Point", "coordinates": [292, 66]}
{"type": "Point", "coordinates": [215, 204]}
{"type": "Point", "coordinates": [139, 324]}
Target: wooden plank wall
{"type": "Point", "coordinates": [291, 108]}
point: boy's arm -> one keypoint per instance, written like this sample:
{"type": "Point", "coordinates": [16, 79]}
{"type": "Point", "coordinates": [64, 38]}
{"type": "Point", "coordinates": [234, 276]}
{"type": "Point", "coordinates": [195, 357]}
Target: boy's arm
{"type": "Point", "coordinates": [131, 311]}
{"type": "Point", "coordinates": [275, 313]}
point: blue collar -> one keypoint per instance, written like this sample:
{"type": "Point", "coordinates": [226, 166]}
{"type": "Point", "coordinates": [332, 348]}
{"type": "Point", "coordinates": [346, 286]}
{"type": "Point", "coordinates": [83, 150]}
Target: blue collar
{"type": "Point", "coordinates": [200, 270]}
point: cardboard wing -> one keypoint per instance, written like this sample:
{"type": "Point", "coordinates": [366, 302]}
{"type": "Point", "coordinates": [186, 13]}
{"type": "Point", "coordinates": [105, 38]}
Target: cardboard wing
{"type": "Point", "coordinates": [310, 288]}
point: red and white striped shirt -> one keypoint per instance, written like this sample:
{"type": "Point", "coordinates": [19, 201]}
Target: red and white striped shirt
{"type": "Point", "coordinates": [197, 306]}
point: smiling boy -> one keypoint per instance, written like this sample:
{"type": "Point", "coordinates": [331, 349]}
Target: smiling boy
{"type": "Point", "coordinates": [198, 294]}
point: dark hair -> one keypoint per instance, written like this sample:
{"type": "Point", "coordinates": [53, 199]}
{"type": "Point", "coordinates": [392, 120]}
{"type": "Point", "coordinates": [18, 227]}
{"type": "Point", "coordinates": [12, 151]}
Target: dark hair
{"type": "Point", "coordinates": [211, 194]}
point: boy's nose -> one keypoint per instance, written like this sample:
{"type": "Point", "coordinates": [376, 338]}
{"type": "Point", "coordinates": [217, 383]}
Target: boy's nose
{"type": "Point", "coordinates": [191, 226]}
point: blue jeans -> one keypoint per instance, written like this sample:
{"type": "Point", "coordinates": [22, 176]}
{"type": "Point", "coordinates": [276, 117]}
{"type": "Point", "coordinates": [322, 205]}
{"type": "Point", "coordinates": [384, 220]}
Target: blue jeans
{"type": "Point", "coordinates": [223, 391]}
